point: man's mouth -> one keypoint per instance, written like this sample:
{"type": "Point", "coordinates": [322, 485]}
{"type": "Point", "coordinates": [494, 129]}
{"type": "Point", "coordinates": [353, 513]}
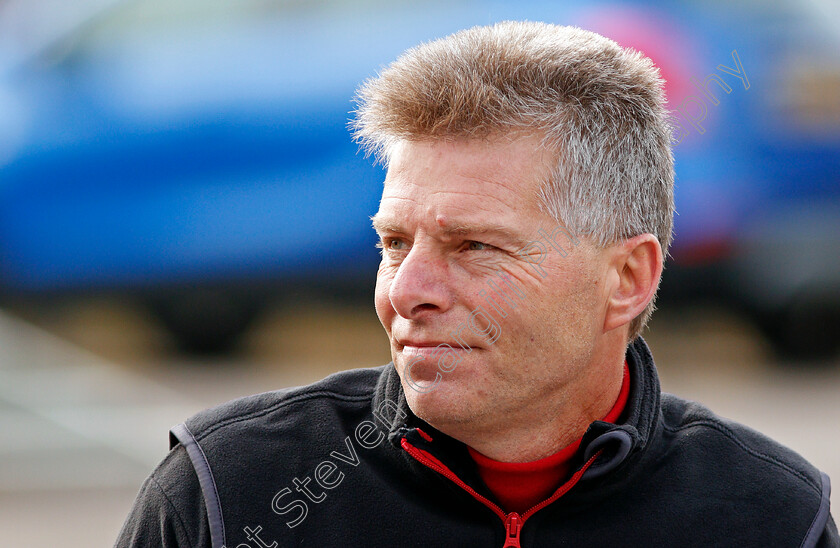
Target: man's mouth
{"type": "Point", "coordinates": [424, 345]}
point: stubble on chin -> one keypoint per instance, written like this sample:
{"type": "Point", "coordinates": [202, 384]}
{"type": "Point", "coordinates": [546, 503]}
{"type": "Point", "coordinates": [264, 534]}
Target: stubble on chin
{"type": "Point", "coordinates": [449, 409]}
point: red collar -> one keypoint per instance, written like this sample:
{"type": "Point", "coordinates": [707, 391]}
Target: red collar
{"type": "Point", "coordinates": [522, 485]}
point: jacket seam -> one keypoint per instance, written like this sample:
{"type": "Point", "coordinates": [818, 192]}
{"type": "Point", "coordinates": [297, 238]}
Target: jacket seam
{"type": "Point", "coordinates": [293, 399]}
{"type": "Point", "coordinates": [209, 490]}
{"type": "Point", "coordinates": [175, 511]}
{"type": "Point", "coordinates": [824, 503]}
{"type": "Point", "coordinates": [757, 454]}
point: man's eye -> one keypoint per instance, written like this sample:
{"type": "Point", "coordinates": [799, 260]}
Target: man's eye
{"type": "Point", "coordinates": [392, 244]}
{"type": "Point", "coordinates": [478, 246]}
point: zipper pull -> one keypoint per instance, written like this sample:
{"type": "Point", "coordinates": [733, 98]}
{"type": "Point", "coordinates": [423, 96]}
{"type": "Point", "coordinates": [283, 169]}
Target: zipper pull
{"type": "Point", "coordinates": [513, 526]}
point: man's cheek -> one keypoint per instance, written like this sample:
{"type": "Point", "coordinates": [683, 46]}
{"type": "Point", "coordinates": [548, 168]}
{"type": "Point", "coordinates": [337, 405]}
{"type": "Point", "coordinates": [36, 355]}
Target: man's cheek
{"type": "Point", "coordinates": [382, 302]}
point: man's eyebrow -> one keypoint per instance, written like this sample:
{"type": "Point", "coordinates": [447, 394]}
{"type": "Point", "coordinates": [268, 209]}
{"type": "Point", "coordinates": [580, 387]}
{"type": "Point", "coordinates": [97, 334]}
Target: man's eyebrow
{"type": "Point", "coordinates": [381, 224]}
{"type": "Point", "coordinates": [465, 229]}
{"type": "Point", "coordinates": [455, 229]}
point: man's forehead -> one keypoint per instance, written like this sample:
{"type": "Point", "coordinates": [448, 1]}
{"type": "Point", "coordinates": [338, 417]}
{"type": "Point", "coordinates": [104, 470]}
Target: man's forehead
{"type": "Point", "coordinates": [462, 187]}
{"type": "Point", "coordinates": [446, 224]}
{"type": "Point", "coordinates": [518, 153]}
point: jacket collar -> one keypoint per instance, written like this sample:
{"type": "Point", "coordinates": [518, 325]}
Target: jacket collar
{"type": "Point", "coordinates": [620, 444]}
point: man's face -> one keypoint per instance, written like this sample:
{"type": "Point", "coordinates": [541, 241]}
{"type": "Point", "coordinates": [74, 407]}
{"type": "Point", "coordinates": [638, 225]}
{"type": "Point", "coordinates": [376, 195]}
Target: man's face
{"type": "Point", "coordinates": [479, 334]}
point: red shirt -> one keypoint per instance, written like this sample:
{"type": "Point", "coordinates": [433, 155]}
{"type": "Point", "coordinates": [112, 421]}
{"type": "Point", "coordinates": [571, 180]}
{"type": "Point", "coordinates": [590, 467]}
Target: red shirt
{"type": "Point", "coordinates": [522, 485]}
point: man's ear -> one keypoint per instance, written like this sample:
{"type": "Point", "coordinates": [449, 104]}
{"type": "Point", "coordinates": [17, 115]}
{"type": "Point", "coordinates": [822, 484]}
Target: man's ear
{"type": "Point", "coordinates": [637, 262]}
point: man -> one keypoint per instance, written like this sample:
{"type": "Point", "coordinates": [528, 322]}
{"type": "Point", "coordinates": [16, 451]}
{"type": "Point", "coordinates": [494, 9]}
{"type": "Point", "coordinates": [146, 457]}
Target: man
{"type": "Point", "coordinates": [524, 220]}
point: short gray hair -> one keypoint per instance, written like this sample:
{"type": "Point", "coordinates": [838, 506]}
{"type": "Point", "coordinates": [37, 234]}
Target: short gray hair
{"type": "Point", "coordinates": [600, 106]}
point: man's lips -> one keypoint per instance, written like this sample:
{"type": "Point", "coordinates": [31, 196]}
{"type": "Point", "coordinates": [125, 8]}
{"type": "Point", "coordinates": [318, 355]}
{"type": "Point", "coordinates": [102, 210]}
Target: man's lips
{"type": "Point", "coordinates": [421, 344]}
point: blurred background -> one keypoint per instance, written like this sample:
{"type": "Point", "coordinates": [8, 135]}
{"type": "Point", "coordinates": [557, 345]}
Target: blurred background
{"type": "Point", "coordinates": [184, 220]}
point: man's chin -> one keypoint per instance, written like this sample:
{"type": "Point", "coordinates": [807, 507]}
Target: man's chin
{"type": "Point", "coordinates": [441, 403]}
{"type": "Point", "coordinates": [421, 382]}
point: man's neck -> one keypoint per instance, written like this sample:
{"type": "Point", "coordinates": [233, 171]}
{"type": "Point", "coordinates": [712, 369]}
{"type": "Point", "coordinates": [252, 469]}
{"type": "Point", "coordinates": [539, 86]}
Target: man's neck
{"type": "Point", "coordinates": [549, 426]}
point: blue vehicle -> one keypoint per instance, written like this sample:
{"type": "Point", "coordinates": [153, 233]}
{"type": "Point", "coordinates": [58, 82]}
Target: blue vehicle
{"type": "Point", "coordinates": [195, 155]}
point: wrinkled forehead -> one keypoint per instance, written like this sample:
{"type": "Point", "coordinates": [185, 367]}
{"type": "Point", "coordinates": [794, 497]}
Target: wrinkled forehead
{"type": "Point", "coordinates": [518, 162]}
{"type": "Point", "coordinates": [454, 183]}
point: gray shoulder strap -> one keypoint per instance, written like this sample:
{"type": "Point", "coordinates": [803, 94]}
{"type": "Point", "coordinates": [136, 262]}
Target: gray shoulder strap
{"type": "Point", "coordinates": [205, 480]}
{"type": "Point", "coordinates": [821, 518]}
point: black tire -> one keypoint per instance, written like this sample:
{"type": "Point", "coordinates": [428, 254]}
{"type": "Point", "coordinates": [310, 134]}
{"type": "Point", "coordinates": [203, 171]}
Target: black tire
{"type": "Point", "coordinates": [807, 329]}
{"type": "Point", "coordinates": [206, 321]}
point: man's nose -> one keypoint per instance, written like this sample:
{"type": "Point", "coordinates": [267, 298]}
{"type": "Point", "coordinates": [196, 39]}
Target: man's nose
{"type": "Point", "coordinates": [421, 284]}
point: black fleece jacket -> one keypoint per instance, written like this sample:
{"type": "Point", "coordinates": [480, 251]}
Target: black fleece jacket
{"type": "Point", "coordinates": [344, 462]}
